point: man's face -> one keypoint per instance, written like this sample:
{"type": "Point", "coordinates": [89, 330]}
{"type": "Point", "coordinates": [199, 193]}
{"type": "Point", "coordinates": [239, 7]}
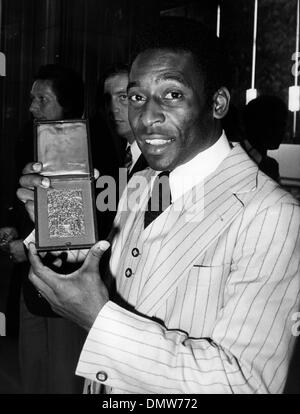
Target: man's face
{"type": "Point", "coordinates": [44, 104]}
{"type": "Point", "coordinates": [115, 90]}
{"type": "Point", "coordinates": [167, 110]}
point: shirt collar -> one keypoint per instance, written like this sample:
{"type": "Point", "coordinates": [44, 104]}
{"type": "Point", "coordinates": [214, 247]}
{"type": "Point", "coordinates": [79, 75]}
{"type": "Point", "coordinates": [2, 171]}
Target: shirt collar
{"type": "Point", "coordinates": [135, 152]}
{"type": "Point", "coordinates": [187, 175]}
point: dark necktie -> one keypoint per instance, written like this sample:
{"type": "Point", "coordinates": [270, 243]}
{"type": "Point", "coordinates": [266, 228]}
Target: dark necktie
{"type": "Point", "coordinates": [128, 158]}
{"type": "Point", "coordinates": [160, 198]}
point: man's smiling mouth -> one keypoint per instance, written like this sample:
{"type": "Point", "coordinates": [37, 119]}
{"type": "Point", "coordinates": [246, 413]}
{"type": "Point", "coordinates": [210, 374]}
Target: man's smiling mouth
{"type": "Point", "coordinates": [158, 142]}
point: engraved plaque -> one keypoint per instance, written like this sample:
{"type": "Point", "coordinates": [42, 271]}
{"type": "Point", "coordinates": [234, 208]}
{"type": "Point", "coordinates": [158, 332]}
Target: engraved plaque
{"type": "Point", "coordinates": [65, 212]}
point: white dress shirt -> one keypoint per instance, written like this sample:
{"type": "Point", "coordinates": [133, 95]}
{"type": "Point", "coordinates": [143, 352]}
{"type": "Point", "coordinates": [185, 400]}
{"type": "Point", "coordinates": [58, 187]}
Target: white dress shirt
{"type": "Point", "coordinates": [135, 152]}
{"type": "Point", "coordinates": [187, 175]}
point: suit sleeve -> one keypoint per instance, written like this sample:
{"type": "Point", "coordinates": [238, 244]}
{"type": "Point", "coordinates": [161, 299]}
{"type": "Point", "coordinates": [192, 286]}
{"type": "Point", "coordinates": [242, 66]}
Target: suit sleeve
{"type": "Point", "coordinates": [251, 343]}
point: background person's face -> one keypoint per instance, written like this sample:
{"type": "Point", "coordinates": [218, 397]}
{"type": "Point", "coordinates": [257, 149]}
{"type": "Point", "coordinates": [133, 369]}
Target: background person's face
{"type": "Point", "coordinates": [115, 90]}
{"type": "Point", "coordinates": [44, 104]}
{"type": "Point", "coordinates": [167, 110]}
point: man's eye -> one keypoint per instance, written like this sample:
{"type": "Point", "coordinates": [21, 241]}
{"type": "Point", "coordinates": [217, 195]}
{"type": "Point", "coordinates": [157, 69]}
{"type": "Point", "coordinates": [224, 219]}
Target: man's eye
{"type": "Point", "coordinates": [173, 96]}
{"type": "Point", "coordinates": [136, 98]}
{"type": "Point", "coordinates": [123, 97]}
{"type": "Point", "coordinates": [43, 99]}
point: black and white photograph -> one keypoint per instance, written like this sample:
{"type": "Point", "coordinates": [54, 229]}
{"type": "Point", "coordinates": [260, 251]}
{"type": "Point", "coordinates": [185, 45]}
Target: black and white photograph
{"type": "Point", "coordinates": [149, 203]}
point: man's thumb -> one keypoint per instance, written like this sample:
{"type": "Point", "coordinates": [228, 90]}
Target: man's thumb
{"type": "Point", "coordinates": [95, 253]}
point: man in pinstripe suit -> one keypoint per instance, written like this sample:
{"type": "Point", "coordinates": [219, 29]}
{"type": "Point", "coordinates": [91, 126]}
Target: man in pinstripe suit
{"type": "Point", "coordinates": [204, 295]}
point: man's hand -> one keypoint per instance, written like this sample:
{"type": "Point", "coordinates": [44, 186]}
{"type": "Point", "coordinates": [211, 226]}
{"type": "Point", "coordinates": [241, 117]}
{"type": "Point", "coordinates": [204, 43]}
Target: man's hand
{"type": "Point", "coordinates": [10, 244]}
{"type": "Point", "coordinates": [16, 251]}
{"type": "Point", "coordinates": [78, 296]}
{"type": "Point", "coordinates": [7, 234]}
{"type": "Point", "coordinates": [30, 179]}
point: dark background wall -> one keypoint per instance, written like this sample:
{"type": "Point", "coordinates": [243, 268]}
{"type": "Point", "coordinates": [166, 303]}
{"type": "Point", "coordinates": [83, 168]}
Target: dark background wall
{"type": "Point", "coordinates": [87, 35]}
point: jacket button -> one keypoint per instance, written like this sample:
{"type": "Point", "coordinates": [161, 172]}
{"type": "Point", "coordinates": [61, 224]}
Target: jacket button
{"type": "Point", "coordinates": [135, 252]}
{"type": "Point", "coordinates": [128, 272]}
{"type": "Point", "coordinates": [101, 376]}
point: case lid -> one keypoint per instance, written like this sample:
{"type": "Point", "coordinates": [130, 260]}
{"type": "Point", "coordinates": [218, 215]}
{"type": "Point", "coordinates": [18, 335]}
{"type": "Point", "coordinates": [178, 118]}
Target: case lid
{"type": "Point", "coordinates": [63, 147]}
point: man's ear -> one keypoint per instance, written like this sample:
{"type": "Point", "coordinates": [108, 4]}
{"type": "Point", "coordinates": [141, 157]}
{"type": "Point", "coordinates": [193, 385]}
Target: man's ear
{"type": "Point", "coordinates": [221, 101]}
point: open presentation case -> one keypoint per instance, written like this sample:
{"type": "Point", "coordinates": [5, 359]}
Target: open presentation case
{"type": "Point", "coordinates": [65, 216]}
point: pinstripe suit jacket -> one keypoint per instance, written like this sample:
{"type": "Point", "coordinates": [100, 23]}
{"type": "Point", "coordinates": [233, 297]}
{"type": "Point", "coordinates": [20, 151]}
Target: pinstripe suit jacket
{"type": "Point", "coordinates": [214, 284]}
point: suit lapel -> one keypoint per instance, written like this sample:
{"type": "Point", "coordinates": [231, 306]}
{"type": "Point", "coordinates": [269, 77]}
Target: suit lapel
{"type": "Point", "coordinates": [193, 223]}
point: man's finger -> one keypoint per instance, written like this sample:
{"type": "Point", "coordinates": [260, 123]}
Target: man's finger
{"type": "Point", "coordinates": [34, 180]}
{"type": "Point", "coordinates": [25, 195]}
{"type": "Point", "coordinates": [32, 167]}
{"type": "Point", "coordinates": [30, 209]}
{"type": "Point", "coordinates": [94, 255]}
{"type": "Point", "coordinates": [48, 276]}
{"type": "Point", "coordinates": [96, 174]}
{"type": "Point", "coordinates": [41, 286]}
